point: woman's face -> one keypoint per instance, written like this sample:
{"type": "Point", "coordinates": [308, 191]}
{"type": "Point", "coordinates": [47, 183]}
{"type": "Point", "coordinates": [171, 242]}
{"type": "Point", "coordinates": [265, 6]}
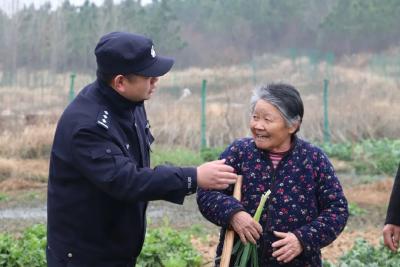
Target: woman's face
{"type": "Point", "coordinates": [269, 129]}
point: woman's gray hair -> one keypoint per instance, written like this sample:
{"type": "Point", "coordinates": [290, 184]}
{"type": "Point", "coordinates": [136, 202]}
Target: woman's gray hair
{"type": "Point", "coordinates": [285, 98]}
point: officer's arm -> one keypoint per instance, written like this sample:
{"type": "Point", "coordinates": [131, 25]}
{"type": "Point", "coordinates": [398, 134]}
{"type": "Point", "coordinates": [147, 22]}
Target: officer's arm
{"type": "Point", "coordinates": [103, 163]}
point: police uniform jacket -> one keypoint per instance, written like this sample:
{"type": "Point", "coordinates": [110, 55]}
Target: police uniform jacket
{"type": "Point", "coordinates": [100, 181]}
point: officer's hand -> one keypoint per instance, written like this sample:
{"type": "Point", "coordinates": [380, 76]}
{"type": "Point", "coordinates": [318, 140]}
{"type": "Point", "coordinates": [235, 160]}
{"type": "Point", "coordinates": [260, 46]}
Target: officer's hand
{"type": "Point", "coordinates": [246, 227]}
{"type": "Point", "coordinates": [215, 175]}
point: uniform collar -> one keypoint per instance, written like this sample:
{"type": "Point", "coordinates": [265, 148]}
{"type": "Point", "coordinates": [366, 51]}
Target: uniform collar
{"type": "Point", "coordinates": [117, 101]}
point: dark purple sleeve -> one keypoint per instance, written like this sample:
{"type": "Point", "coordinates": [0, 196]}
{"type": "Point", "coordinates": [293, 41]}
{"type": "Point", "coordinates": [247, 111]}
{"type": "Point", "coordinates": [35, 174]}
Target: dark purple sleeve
{"type": "Point", "coordinates": [219, 206]}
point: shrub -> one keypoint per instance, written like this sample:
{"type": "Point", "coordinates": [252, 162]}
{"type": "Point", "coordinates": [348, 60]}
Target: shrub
{"type": "Point", "coordinates": [364, 254]}
{"type": "Point", "coordinates": [377, 156]}
{"type": "Point", "coordinates": [3, 197]}
{"type": "Point", "coordinates": [342, 151]}
{"type": "Point", "coordinates": [175, 156]}
{"type": "Point", "coordinates": [210, 154]}
{"type": "Point", "coordinates": [29, 250]}
{"type": "Point", "coordinates": [165, 247]}
{"type": "Point", "coordinates": [368, 156]}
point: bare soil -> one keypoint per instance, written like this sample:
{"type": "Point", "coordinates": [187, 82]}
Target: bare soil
{"type": "Point", "coordinates": [371, 197]}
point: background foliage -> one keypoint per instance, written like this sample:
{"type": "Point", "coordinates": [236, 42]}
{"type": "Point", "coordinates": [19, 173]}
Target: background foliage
{"type": "Point", "coordinates": [201, 33]}
{"type": "Point", "coordinates": [364, 254]}
{"type": "Point", "coordinates": [164, 247]}
{"type": "Point", "coordinates": [368, 156]}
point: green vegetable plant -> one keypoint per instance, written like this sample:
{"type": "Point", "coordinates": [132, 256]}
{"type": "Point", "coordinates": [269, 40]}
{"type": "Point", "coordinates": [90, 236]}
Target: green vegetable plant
{"type": "Point", "coordinates": [248, 252]}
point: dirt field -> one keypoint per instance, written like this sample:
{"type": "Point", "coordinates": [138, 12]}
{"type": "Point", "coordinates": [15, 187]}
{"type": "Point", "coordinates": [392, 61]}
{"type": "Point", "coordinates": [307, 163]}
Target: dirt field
{"type": "Point", "coordinates": [371, 197]}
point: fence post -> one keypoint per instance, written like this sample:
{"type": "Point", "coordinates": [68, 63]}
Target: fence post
{"type": "Point", "coordinates": [327, 135]}
{"type": "Point", "coordinates": [203, 114]}
{"type": "Point", "coordinates": [330, 60]}
{"type": "Point", "coordinates": [71, 87]}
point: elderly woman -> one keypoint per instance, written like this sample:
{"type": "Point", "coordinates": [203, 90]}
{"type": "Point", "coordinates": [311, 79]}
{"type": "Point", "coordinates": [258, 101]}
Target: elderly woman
{"type": "Point", "coordinates": [306, 209]}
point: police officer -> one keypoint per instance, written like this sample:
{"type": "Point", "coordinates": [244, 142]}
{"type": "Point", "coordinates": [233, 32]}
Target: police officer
{"type": "Point", "coordinates": [99, 179]}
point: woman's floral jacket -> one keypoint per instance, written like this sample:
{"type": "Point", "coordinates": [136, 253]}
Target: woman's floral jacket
{"type": "Point", "coordinates": [306, 198]}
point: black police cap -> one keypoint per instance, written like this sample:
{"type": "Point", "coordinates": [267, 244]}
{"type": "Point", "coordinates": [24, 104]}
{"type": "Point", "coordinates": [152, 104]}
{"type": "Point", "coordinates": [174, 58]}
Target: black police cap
{"type": "Point", "coordinates": [128, 53]}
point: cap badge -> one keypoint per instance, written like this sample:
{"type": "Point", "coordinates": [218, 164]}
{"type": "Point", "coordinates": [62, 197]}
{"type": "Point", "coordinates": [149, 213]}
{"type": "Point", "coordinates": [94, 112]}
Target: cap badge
{"type": "Point", "coordinates": [153, 52]}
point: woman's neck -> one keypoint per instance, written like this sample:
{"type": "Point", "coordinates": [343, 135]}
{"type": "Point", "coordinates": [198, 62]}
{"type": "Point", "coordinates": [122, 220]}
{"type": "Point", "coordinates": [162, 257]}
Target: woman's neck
{"type": "Point", "coordinates": [284, 147]}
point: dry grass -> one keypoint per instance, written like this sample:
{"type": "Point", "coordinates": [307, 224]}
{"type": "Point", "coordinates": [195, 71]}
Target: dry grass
{"type": "Point", "coordinates": [6, 168]}
{"type": "Point", "coordinates": [26, 169]}
{"type": "Point", "coordinates": [24, 155]}
{"type": "Point", "coordinates": [362, 101]}
{"type": "Point", "coordinates": [34, 141]}
{"type": "Point", "coordinates": [362, 104]}
{"type": "Point", "coordinates": [15, 184]}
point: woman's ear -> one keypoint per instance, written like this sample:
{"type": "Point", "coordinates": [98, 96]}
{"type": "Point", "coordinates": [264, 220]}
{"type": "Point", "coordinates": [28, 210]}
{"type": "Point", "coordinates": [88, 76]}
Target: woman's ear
{"type": "Point", "coordinates": [118, 83]}
{"type": "Point", "coordinates": [294, 127]}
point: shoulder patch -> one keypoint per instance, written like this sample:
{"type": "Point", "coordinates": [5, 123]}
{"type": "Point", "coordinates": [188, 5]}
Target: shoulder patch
{"type": "Point", "coordinates": [103, 119]}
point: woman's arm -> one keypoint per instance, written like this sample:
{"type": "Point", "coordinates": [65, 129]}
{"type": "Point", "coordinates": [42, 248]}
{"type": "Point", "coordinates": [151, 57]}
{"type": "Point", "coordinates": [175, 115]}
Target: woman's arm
{"type": "Point", "coordinates": [218, 206]}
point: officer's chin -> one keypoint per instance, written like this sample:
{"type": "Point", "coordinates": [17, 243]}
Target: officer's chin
{"type": "Point", "coordinates": [150, 95]}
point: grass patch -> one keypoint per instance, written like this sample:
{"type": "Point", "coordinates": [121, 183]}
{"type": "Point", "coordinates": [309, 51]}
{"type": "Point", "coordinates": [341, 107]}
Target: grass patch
{"type": "Point", "coordinates": [163, 247]}
{"type": "Point", "coordinates": [3, 197]}
{"type": "Point", "coordinates": [365, 254]}
{"type": "Point", "coordinates": [213, 153]}
{"type": "Point", "coordinates": [368, 156]}
{"type": "Point", "coordinates": [355, 210]}
{"type": "Point", "coordinates": [28, 250]}
{"type": "Point", "coordinates": [175, 156]}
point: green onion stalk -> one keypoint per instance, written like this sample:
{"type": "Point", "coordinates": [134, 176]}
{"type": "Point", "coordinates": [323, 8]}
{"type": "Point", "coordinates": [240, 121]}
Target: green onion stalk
{"type": "Point", "coordinates": [248, 252]}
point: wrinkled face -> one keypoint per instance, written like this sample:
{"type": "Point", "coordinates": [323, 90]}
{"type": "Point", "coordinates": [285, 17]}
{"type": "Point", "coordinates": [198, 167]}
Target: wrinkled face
{"type": "Point", "coordinates": [269, 129]}
{"type": "Point", "coordinates": [134, 87]}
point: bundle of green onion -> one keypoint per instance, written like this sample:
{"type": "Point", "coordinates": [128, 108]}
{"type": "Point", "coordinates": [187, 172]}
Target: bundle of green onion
{"type": "Point", "coordinates": [248, 252]}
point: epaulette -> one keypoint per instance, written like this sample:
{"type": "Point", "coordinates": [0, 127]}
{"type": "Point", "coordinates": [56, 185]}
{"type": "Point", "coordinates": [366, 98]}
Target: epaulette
{"type": "Point", "coordinates": [103, 119]}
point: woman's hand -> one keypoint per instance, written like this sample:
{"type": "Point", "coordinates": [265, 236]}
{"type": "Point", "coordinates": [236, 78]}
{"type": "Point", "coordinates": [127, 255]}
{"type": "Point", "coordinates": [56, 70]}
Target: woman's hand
{"type": "Point", "coordinates": [287, 248]}
{"type": "Point", "coordinates": [391, 236]}
{"type": "Point", "coordinates": [246, 227]}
